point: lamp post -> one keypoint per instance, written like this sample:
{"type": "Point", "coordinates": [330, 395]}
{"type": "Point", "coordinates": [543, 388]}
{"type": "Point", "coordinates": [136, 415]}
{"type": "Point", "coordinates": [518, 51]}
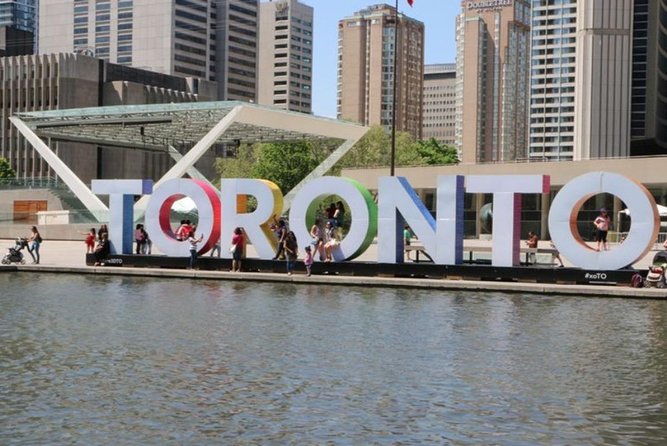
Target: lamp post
{"type": "Point", "coordinates": [393, 97]}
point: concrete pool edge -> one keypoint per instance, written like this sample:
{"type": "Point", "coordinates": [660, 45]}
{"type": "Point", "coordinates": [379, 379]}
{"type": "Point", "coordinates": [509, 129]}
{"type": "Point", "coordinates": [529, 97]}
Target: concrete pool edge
{"type": "Point", "coordinates": [341, 280]}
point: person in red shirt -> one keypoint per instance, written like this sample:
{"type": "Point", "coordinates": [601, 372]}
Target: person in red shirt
{"type": "Point", "coordinates": [237, 249]}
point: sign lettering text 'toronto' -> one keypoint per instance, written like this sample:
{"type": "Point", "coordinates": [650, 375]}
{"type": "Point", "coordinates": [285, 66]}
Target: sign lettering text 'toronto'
{"type": "Point", "coordinates": [397, 205]}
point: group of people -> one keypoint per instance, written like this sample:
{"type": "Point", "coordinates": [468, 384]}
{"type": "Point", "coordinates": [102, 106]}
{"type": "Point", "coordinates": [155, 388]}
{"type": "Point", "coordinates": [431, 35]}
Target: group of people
{"type": "Point", "coordinates": [324, 240]}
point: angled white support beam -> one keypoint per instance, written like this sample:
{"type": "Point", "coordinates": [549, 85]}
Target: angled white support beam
{"type": "Point", "coordinates": [193, 172]}
{"type": "Point", "coordinates": [99, 210]}
{"type": "Point", "coordinates": [193, 155]}
{"type": "Point", "coordinates": [303, 123]}
{"type": "Point", "coordinates": [320, 170]}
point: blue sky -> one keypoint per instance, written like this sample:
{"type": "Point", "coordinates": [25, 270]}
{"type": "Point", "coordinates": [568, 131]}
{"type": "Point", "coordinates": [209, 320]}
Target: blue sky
{"type": "Point", "coordinates": [438, 17]}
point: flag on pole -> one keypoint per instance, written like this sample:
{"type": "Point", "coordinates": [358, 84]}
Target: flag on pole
{"type": "Point", "coordinates": [410, 2]}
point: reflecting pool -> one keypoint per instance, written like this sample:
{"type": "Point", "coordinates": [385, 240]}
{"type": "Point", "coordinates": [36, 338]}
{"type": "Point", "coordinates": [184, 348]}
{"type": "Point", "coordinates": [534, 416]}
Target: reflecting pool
{"type": "Point", "coordinates": [113, 360]}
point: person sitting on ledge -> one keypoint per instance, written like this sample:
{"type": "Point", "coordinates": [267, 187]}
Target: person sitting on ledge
{"type": "Point", "coordinates": [102, 250]}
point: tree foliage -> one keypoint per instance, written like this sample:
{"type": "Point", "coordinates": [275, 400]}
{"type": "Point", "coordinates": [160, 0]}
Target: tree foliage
{"type": "Point", "coordinates": [374, 150]}
{"type": "Point", "coordinates": [287, 163]}
{"type": "Point", "coordinates": [6, 171]}
{"type": "Point", "coordinates": [284, 163]}
{"type": "Point", "coordinates": [435, 153]}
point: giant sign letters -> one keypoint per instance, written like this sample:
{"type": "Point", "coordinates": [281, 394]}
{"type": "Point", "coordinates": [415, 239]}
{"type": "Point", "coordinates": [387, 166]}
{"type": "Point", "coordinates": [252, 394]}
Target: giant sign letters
{"type": "Point", "coordinates": [220, 212]}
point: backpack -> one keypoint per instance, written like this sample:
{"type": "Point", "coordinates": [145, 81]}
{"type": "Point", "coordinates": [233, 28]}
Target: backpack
{"type": "Point", "coordinates": [636, 281]}
{"type": "Point", "coordinates": [39, 239]}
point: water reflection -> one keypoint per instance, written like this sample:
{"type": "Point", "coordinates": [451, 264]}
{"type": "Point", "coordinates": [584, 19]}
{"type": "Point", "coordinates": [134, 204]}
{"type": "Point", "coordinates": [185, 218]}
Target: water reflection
{"type": "Point", "coordinates": [131, 360]}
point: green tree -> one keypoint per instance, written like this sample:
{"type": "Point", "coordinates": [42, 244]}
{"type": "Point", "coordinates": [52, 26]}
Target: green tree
{"type": "Point", "coordinates": [374, 150]}
{"type": "Point", "coordinates": [435, 153]}
{"type": "Point", "coordinates": [6, 171]}
{"type": "Point", "coordinates": [286, 163]}
{"type": "Point", "coordinates": [239, 166]}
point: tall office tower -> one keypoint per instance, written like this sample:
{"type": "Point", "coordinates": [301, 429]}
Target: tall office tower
{"type": "Point", "coordinates": [18, 27]}
{"type": "Point", "coordinates": [648, 122]}
{"type": "Point", "coordinates": [582, 69]}
{"type": "Point", "coordinates": [553, 81]}
{"type": "Point", "coordinates": [603, 72]}
{"type": "Point", "coordinates": [440, 103]}
{"type": "Point", "coordinates": [286, 55]}
{"type": "Point", "coordinates": [21, 14]}
{"type": "Point", "coordinates": [236, 54]}
{"type": "Point", "coordinates": [493, 66]}
{"type": "Point", "coordinates": [366, 67]}
{"type": "Point", "coordinates": [175, 38]}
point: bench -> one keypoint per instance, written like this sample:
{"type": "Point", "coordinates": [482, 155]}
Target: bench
{"type": "Point", "coordinates": [419, 250]}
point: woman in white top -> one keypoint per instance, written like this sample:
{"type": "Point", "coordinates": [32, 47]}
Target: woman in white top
{"type": "Point", "coordinates": [317, 233]}
{"type": "Point", "coordinates": [193, 248]}
{"type": "Point", "coordinates": [330, 241]}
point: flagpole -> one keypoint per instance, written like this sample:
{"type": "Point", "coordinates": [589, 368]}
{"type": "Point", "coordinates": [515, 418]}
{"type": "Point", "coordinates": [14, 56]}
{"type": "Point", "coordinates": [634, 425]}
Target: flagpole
{"type": "Point", "coordinates": [393, 100]}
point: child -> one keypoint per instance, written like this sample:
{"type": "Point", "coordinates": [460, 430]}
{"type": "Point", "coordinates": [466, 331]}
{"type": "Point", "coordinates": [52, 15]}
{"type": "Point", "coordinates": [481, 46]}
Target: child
{"type": "Point", "coordinates": [90, 240]}
{"type": "Point", "coordinates": [308, 260]}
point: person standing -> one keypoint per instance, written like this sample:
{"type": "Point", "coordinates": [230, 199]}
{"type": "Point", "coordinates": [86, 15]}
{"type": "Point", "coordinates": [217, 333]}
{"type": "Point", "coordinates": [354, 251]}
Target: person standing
{"type": "Point", "coordinates": [34, 242]}
{"type": "Point", "coordinates": [215, 252]}
{"type": "Point", "coordinates": [139, 239]}
{"type": "Point", "coordinates": [148, 243]}
{"type": "Point", "coordinates": [602, 223]}
{"type": "Point", "coordinates": [90, 240]}
{"type": "Point", "coordinates": [193, 248]}
{"type": "Point", "coordinates": [237, 249]}
{"type": "Point", "coordinates": [407, 238]}
{"type": "Point", "coordinates": [308, 260]}
{"type": "Point", "coordinates": [281, 233]}
{"type": "Point", "coordinates": [339, 218]}
{"type": "Point", "coordinates": [532, 242]}
{"type": "Point", "coordinates": [291, 251]}
{"type": "Point", "coordinates": [317, 233]}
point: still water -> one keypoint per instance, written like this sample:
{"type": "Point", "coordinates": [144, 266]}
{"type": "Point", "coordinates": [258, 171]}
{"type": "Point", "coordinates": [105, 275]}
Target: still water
{"type": "Point", "coordinates": [111, 360]}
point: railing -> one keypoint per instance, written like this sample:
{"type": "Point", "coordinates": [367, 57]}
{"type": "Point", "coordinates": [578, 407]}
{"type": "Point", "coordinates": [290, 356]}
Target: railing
{"type": "Point", "coordinates": [30, 183]}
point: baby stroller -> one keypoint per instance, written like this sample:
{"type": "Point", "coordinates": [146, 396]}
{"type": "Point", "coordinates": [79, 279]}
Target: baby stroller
{"type": "Point", "coordinates": [657, 271]}
{"type": "Point", "coordinates": [14, 254]}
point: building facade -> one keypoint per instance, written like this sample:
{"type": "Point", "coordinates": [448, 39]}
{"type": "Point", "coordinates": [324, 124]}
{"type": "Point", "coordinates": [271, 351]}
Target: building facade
{"type": "Point", "coordinates": [553, 81]}
{"type": "Point", "coordinates": [18, 27]}
{"type": "Point", "coordinates": [21, 14]}
{"type": "Point", "coordinates": [603, 79]}
{"type": "Point", "coordinates": [440, 103]}
{"type": "Point", "coordinates": [286, 55]}
{"type": "Point", "coordinates": [237, 26]}
{"type": "Point", "coordinates": [61, 81]}
{"type": "Point", "coordinates": [165, 37]}
{"type": "Point", "coordinates": [648, 121]}
{"type": "Point", "coordinates": [493, 66]}
{"type": "Point", "coordinates": [366, 69]}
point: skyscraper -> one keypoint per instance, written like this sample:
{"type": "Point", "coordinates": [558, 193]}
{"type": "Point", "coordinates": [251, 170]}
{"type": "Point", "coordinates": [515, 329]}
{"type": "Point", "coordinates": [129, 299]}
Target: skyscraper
{"type": "Point", "coordinates": [493, 64]}
{"type": "Point", "coordinates": [18, 27]}
{"type": "Point", "coordinates": [157, 36]}
{"type": "Point", "coordinates": [553, 81]}
{"type": "Point", "coordinates": [603, 79]}
{"type": "Point", "coordinates": [21, 14]}
{"type": "Point", "coordinates": [440, 103]}
{"type": "Point", "coordinates": [236, 49]}
{"type": "Point", "coordinates": [366, 65]}
{"type": "Point", "coordinates": [648, 122]}
{"type": "Point", "coordinates": [286, 55]}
